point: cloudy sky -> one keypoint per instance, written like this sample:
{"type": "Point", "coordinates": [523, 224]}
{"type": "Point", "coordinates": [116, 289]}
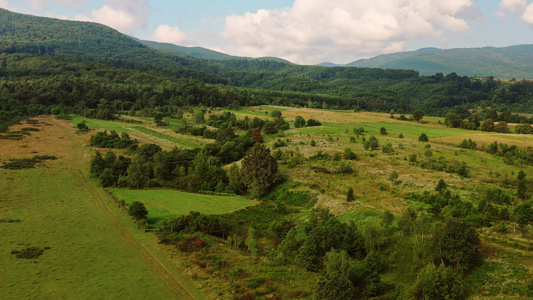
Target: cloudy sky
{"type": "Point", "coordinates": [304, 31]}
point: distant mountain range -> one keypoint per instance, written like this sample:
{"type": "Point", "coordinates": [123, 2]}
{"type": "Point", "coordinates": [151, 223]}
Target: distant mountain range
{"type": "Point", "coordinates": [200, 52]}
{"type": "Point", "coordinates": [507, 62]}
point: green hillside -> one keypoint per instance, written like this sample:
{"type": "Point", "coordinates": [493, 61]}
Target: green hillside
{"type": "Point", "coordinates": [508, 62]}
{"type": "Point", "coordinates": [198, 52]}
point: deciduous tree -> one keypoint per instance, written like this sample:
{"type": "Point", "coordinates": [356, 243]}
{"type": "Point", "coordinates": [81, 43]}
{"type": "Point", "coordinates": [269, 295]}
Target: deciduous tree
{"type": "Point", "coordinates": [259, 167]}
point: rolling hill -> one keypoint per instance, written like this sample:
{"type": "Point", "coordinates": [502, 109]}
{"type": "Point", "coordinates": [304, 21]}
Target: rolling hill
{"type": "Point", "coordinates": [507, 62]}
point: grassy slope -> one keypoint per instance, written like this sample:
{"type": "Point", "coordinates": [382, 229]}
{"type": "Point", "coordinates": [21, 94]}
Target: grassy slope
{"type": "Point", "coordinates": [94, 250]}
{"type": "Point", "coordinates": [164, 204]}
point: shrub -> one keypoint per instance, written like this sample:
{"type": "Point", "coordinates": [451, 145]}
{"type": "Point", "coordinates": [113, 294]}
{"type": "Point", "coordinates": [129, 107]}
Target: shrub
{"type": "Point", "coordinates": [137, 210]}
{"type": "Point", "coordinates": [345, 169]}
{"type": "Point", "coordinates": [313, 122]}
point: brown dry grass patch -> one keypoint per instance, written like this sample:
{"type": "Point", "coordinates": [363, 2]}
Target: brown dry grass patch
{"type": "Point", "coordinates": [49, 140]}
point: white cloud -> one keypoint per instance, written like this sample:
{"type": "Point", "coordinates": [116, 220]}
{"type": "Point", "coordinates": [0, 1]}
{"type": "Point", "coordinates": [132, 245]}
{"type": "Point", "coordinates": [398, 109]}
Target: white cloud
{"type": "Point", "coordinates": [516, 6]}
{"type": "Point", "coordinates": [512, 5]}
{"type": "Point", "coordinates": [528, 15]}
{"type": "Point", "coordinates": [173, 35]}
{"type": "Point", "coordinates": [41, 5]}
{"type": "Point", "coordinates": [123, 15]}
{"type": "Point", "coordinates": [312, 30]}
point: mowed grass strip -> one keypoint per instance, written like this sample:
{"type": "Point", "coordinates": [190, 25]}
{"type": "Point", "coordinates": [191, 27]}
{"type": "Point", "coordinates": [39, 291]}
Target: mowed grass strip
{"type": "Point", "coordinates": [117, 126]}
{"type": "Point", "coordinates": [164, 204]}
{"type": "Point", "coordinates": [188, 142]}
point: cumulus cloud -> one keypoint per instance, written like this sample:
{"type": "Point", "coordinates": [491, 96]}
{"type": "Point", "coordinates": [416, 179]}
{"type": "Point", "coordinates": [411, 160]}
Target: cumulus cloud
{"type": "Point", "coordinates": [516, 7]}
{"type": "Point", "coordinates": [527, 16]}
{"type": "Point", "coordinates": [511, 6]}
{"type": "Point", "coordinates": [312, 30]}
{"type": "Point", "coordinates": [43, 4]}
{"type": "Point", "coordinates": [123, 15]}
{"type": "Point", "coordinates": [173, 35]}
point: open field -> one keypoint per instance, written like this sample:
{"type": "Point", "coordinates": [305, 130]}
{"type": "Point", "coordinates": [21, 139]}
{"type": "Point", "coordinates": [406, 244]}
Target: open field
{"type": "Point", "coordinates": [164, 204]}
{"type": "Point", "coordinates": [91, 249]}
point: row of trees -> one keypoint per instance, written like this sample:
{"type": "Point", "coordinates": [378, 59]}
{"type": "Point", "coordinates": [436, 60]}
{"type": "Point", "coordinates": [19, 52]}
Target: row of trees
{"type": "Point", "coordinates": [191, 170]}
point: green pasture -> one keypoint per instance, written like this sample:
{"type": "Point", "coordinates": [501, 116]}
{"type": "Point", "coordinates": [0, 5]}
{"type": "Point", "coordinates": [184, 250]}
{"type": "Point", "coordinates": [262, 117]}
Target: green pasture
{"type": "Point", "coordinates": [186, 141]}
{"type": "Point", "coordinates": [164, 204]}
{"type": "Point", "coordinates": [117, 126]}
{"type": "Point", "coordinates": [88, 257]}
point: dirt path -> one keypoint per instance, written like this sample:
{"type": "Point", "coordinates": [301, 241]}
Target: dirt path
{"type": "Point", "coordinates": [76, 159]}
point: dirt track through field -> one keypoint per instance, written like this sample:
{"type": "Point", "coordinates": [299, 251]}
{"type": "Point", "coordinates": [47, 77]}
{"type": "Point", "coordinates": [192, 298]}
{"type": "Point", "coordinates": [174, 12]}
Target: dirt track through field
{"type": "Point", "coordinates": [77, 156]}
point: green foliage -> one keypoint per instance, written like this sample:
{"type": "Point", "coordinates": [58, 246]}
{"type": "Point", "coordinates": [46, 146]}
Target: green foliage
{"type": "Point", "coordinates": [137, 172]}
{"type": "Point", "coordinates": [438, 283]}
{"type": "Point", "coordinates": [82, 127]}
{"type": "Point", "coordinates": [463, 170]}
{"type": "Point", "coordinates": [468, 144]}
{"type": "Point", "coordinates": [418, 115]}
{"type": "Point", "coordinates": [393, 176]}
{"type": "Point", "coordinates": [372, 143]}
{"type": "Point", "coordinates": [345, 169]}
{"type": "Point", "coordinates": [349, 154]}
{"type": "Point", "coordinates": [299, 122]}
{"type": "Point", "coordinates": [523, 214]}
{"type": "Point", "coordinates": [137, 210]}
{"type": "Point", "coordinates": [387, 149]}
{"type": "Point", "coordinates": [383, 131]}
{"type": "Point", "coordinates": [488, 125]}
{"type": "Point", "coordinates": [251, 241]}
{"type": "Point", "coordinates": [349, 195]}
{"type": "Point", "coordinates": [459, 244]}
{"type": "Point", "coordinates": [26, 163]}
{"type": "Point", "coordinates": [524, 129]}
{"type": "Point", "coordinates": [259, 169]}
{"type": "Point", "coordinates": [112, 140]}
{"type": "Point", "coordinates": [313, 122]}
{"type": "Point", "coordinates": [334, 282]}
{"type": "Point", "coordinates": [441, 186]}
{"type": "Point", "coordinates": [423, 137]}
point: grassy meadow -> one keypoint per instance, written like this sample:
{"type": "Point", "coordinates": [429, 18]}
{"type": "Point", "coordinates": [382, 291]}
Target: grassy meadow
{"type": "Point", "coordinates": [164, 204]}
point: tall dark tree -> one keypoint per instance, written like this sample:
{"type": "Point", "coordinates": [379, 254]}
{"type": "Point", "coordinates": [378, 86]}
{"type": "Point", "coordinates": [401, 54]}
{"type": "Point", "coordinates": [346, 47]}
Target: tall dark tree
{"type": "Point", "coordinates": [98, 165]}
{"type": "Point", "coordinates": [137, 172]}
{"type": "Point", "coordinates": [459, 243]}
{"type": "Point", "coordinates": [418, 115]}
{"type": "Point", "coordinates": [259, 169]}
{"type": "Point", "coordinates": [441, 186]}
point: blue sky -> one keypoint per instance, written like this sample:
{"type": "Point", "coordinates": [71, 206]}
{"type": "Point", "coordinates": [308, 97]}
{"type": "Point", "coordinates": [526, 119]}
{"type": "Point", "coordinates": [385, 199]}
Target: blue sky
{"type": "Point", "coordinates": [304, 31]}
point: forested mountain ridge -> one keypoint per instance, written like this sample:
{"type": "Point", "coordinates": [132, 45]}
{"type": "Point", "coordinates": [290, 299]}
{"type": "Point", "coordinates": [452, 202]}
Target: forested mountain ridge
{"type": "Point", "coordinates": [505, 62]}
{"type": "Point", "coordinates": [21, 33]}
